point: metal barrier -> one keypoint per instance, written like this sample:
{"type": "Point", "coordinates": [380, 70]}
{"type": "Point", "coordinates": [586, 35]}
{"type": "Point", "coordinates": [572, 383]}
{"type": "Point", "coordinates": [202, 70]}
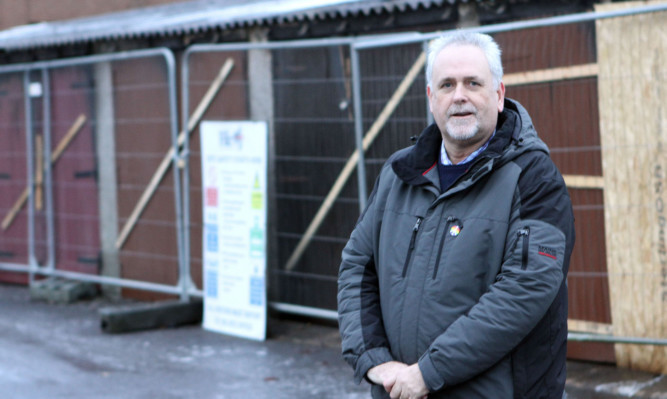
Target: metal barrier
{"type": "Point", "coordinates": [327, 102]}
{"type": "Point", "coordinates": [278, 94]}
{"type": "Point", "coordinates": [121, 105]}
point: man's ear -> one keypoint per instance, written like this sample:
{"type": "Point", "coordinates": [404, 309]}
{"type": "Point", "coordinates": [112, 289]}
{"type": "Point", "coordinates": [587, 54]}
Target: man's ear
{"type": "Point", "coordinates": [501, 97]}
{"type": "Point", "coordinates": [428, 94]}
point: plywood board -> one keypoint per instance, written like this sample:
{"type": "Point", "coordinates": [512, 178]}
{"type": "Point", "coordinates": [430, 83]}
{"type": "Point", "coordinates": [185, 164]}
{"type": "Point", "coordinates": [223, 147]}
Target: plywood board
{"type": "Point", "coordinates": [632, 84]}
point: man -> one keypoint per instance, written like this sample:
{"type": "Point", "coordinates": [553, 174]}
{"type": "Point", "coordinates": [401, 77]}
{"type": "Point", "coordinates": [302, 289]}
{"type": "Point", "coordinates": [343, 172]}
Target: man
{"type": "Point", "coordinates": [452, 284]}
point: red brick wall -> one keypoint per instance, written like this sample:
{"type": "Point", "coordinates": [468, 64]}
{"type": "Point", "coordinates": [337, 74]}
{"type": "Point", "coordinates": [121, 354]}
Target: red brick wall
{"type": "Point", "coordinates": [15, 12]}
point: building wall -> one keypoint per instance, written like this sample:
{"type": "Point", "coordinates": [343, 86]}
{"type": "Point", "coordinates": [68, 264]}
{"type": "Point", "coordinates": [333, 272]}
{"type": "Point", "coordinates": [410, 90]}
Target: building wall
{"type": "Point", "coordinates": [313, 133]}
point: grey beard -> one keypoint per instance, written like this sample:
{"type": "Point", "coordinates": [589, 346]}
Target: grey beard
{"type": "Point", "coordinates": [456, 134]}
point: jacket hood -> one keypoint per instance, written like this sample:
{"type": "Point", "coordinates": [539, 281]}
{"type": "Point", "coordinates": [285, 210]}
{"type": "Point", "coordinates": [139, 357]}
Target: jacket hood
{"type": "Point", "coordinates": [515, 135]}
{"type": "Point", "coordinates": [524, 135]}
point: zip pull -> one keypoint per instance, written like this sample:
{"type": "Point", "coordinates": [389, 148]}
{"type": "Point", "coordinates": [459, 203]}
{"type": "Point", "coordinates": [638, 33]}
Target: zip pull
{"type": "Point", "coordinates": [412, 246]}
{"type": "Point", "coordinates": [525, 233]}
{"type": "Point", "coordinates": [414, 232]}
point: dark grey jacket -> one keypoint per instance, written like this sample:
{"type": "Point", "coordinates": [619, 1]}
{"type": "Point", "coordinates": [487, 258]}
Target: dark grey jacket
{"type": "Point", "coordinates": [470, 283]}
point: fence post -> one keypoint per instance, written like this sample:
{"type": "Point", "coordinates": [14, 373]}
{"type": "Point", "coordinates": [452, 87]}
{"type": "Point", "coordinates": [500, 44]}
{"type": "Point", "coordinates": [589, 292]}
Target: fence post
{"type": "Point", "coordinates": [106, 169]}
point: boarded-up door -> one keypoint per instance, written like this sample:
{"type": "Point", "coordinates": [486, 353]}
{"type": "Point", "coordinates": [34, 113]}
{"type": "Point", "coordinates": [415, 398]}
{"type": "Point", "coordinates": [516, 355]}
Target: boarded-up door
{"type": "Point", "coordinates": [13, 175]}
{"type": "Point", "coordinates": [632, 84]}
{"type": "Point", "coordinates": [75, 202]}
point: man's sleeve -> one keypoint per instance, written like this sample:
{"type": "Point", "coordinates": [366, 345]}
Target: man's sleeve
{"type": "Point", "coordinates": [537, 251]}
{"type": "Point", "coordinates": [364, 343]}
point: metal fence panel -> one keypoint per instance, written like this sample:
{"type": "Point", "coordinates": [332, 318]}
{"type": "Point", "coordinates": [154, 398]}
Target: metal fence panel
{"type": "Point", "coordinates": [95, 129]}
{"type": "Point", "coordinates": [307, 101]}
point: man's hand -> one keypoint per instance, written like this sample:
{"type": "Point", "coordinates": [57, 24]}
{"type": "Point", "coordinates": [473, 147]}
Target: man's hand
{"type": "Point", "coordinates": [408, 383]}
{"type": "Point", "coordinates": [384, 371]}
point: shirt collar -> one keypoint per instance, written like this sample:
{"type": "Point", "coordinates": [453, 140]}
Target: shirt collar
{"type": "Point", "coordinates": [445, 159]}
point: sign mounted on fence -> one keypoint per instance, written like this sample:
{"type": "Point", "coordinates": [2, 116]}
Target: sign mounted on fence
{"type": "Point", "coordinates": [233, 156]}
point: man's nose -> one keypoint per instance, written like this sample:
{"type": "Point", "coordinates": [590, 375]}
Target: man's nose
{"type": "Point", "coordinates": [460, 93]}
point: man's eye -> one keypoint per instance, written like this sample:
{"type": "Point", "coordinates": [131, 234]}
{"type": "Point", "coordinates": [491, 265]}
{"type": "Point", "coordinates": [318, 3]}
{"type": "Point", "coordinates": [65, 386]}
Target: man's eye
{"type": "Point", "coordinates": [446, 85]}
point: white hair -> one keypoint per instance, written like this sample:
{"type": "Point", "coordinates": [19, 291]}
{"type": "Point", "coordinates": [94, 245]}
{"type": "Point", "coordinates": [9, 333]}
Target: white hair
{"type": "Point", "coordinates": [482, 41]}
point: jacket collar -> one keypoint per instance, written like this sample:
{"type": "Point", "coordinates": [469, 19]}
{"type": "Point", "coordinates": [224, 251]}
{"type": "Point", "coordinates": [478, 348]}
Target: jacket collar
{"type": "Point", "coordinates": [416, 166]}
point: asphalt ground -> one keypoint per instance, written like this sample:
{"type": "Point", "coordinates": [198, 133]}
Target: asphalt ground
{"type": "Point", "coordinates": [60, 351]}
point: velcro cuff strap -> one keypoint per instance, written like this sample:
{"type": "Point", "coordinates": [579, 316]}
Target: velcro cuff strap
{"type": "Point", "coordinates": [369, 359]}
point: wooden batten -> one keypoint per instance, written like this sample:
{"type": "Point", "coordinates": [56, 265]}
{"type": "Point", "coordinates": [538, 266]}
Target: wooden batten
{"type": "Point", "coordinates": [39, 172]}
{"type": "Point", "coordinates": [632, 52]}
{"type": "Point", "coordinates": [591, 327]}
{"type": "Point", "coordinates": [551, 75]}
{"type": "Point", "coordinates": [585, 182]}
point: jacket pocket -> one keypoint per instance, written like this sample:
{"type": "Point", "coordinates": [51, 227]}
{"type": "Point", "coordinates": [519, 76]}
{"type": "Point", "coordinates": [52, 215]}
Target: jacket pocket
{"type": "Point", "coordinates": [412, 246]}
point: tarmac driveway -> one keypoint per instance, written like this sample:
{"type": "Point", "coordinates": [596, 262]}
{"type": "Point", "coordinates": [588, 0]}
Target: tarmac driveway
{"type": "Point", "coordinates": [50, 351]}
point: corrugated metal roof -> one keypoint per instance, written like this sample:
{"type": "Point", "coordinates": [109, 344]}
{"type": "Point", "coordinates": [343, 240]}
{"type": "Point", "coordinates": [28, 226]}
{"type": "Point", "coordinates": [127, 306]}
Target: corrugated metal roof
{"type": "Point", "coordinates": [194, 16]}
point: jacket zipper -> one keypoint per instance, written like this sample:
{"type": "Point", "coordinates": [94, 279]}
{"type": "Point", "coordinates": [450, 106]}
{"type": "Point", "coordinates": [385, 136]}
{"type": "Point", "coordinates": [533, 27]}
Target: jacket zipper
{"type": "Point", "coordinates": [412, 245]}
{"type": "Point", "coordinates": [525, 233]}
{"type": "Point", "coordinates": [450, 220]}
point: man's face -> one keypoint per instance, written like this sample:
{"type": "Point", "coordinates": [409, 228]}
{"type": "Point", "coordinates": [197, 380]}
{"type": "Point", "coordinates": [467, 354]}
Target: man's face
{"type": "Point", "coordinates": [461, 96]}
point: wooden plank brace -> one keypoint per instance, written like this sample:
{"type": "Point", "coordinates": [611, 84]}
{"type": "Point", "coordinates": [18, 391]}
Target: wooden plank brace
{"type": "Point", "coordinates": [351, 164]}
{"type": "Point", "coordinates": [169, 156]}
